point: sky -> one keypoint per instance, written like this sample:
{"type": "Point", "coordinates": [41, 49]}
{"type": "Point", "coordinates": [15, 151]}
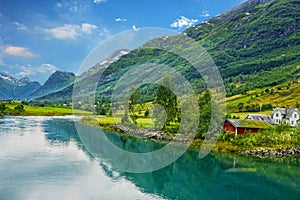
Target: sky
{"type": "Point", "coordinates": [39, 37]}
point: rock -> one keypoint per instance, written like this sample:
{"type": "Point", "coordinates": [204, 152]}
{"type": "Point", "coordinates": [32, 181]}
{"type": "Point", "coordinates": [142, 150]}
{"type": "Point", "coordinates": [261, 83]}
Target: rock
{"type": "Point", "coordinates": [261, 152]}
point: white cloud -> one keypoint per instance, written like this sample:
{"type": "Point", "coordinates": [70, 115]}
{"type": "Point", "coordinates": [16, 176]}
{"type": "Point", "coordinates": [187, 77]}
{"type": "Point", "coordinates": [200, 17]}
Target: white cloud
{"type": "Point", "coordinates": [67, 31]}
{"type": "Point", "coordinates": [45, 68]}
{"type": "Point", "coordinates": [1, 62]}
{"type": "Point", "coordinates": [71, 31]}
{"type": "Point", "coordinates": [30, 70]}
{"type": "Point", "coordinates": [205, 13]}
{"type": "Point", "coordinates": [120, 20]}
{"type": "Point", "coordinates": [183, 22]}
{"type": "Point", "coordinates": [99, 1]}
{"type": "Point", "coordinates": [135, 28]}
{"type": "Point", "coordinates": [20, 26]}
{"type": "Point", "coordinates": [19, 52]}
{"type": "Point", "coordinates": [88, 28]}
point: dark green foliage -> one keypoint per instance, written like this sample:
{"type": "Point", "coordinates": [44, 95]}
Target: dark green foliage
{"type": "Point", "coordinates": [168, 100]}
{"type": "Point", "coordinates": [205, 114]}
{"type": "Point", "coordinates": [2, 107]}
{"type": "Point", "coordinates": [240, 106]}
{"type": "Point", "coordinates": [103, 107]}
{"type": "Point", "coordinates": [4, 110]}
{"type": "Point", "coordinates": [133, 102]}
{"type": "Point", "coordinates": [147, 113]}
{"type": "Point", "coordinates": [19, 108]}
{"type": "Point", "coordinates": [256, 50]}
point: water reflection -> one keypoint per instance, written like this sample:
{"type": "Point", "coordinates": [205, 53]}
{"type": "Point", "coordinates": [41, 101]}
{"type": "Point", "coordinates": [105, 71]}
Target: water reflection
{"type": "Point", "coordinates": [44, 158]}
{"type": "Point", "coordinates": [41, 161]}
{"type": "Point", "coordinates": [213, 177]}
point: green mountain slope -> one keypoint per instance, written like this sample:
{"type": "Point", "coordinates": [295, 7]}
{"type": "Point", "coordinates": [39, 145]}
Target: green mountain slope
{"type": "Point", "coordinates": [254, 45]}
{"type": "Point", "coordinates": [56, 82]}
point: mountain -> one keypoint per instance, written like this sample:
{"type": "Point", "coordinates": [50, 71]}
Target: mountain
{"type": "Point", "coordinates": [254, 45]}
{"type": "Point", "coordinates": [56, 82]}
{"type": "Point", "coordinates": [85, 81]}
{"type": "Point", "coordinates": [12, 88]}
{"type": "Point", "coordinates": [24, 81]}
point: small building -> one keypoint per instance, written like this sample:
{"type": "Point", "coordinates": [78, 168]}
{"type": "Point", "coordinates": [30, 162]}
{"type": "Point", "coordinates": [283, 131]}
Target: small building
{"type": "Point", "coordinates": [261, 118]}
{"type": "Point", "coordinates": [290, 116]}
{"type": "Point", "coordinates": [239, 127]}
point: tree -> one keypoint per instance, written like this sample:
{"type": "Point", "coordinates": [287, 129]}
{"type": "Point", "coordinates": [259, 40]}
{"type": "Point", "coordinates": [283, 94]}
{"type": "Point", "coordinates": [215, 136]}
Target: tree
{"type": "Point", "coordinates": [101, 109]}
{"type": "Point", "coordinates": [147, 113]}
{"type": "Point", "coordinates": [240, 106]}
{"type": "Point", "coordinates": [133, 102]}
{"type": "Point", "coordinates": [205, 114]}
{"type": "Point", "coordinates": [166, 98]}
{"type": "Point", "coordinates": [2, 107]}
{"type": "Point", "coordinates": [19, 108]}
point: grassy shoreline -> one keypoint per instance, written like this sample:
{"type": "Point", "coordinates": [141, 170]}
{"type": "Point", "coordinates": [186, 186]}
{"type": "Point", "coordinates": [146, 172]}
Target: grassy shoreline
{"type": "Point", "coordinates": [30, 110]}
{"type": "Point", "coordinates": [223, 147]}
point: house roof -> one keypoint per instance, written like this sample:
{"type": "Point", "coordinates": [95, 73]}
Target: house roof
{"type": "Point", "coordinates": [247, 123]}
{"type": "Point", "coordinates": [290, 111]}
{"type": "Point", "coordinates": [286, 112]}
{"type": "Point", "coordinates": [261, 117]}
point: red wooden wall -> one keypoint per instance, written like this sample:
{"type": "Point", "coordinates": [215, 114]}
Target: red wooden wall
{"type": "Point", "coordinates": [229, 127]}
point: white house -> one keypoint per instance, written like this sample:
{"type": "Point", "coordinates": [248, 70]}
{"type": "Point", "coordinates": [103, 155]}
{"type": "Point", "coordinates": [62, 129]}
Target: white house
{"type": "Point", "coordinates": [290, 116]}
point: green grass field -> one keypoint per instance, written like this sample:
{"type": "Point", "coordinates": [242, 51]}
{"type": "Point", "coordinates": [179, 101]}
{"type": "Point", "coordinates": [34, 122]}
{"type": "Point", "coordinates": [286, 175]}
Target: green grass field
{"type": "Point", "coordinates": [107, 121]}
{"type": "Point", "coordinates": [48, 110]}
{"type": "Point", "coordinates": [242, 115]}
{"type": "Point", "coordinates": [283, 96]}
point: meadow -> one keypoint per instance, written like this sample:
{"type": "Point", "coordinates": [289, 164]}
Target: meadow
{"type": "Point", "coordinates": [30, 110]}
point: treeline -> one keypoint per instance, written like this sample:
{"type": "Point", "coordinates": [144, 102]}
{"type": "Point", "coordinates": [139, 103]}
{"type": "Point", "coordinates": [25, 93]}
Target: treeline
{"type": "Point", "coordinates": [43, 103]}
{"type": "Point", "coordinates": [164, 109]}
{"type": "Point", "coordinates": [242, 107]}
{"type": "Point", "coordinates": [17, 110]}
{"type": "Point", "coordinates": [242, 84]}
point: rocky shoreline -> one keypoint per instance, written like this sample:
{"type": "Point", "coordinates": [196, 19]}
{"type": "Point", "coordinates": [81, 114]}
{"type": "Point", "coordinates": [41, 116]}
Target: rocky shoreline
{"type": "Point", "coordinates": [280, 152]}
{"type": "Point", "coordinates": [158, 135]}
{"type": "Point", "coordinates": [150, 134]}
{"type": "Point", "coordinates": [142, 133]}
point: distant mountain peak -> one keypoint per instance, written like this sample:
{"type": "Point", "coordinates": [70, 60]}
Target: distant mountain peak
{"type": "Point", "coordinates": [8, 77]}
{"type": "Point", "coordinates": [57, 81]}
{"type": "Point", "coordinates": [114, 56]}
{"type": "Point", "coordinates": [13, 88]}
{"type": "Point", "coordinates": [23, 81]}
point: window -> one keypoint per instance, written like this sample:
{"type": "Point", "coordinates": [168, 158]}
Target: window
{"type": "Point", "coordinates": [292, 122]}
{"type": "Point", "coordinates": [277, 115]}
{"type": "Point", "coordinates": [295, 115]}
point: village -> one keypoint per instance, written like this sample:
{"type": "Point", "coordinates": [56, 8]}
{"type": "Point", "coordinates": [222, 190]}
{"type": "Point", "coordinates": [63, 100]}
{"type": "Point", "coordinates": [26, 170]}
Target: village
{"type": "Point", "coordinates": [255, 122]}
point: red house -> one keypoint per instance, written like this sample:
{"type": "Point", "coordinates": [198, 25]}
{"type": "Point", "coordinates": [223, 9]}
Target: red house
{"type": "Point", "coordinates": [241, 126]}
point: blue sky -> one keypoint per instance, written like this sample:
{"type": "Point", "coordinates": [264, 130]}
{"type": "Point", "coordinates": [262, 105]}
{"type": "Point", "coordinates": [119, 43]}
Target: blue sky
{"type": "Point", "coordinates": [40, 37]}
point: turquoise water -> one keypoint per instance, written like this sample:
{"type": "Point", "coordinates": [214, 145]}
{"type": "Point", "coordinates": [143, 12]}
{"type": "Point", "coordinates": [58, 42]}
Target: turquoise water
{"type": "Point", "coordinates": [44, 158]}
